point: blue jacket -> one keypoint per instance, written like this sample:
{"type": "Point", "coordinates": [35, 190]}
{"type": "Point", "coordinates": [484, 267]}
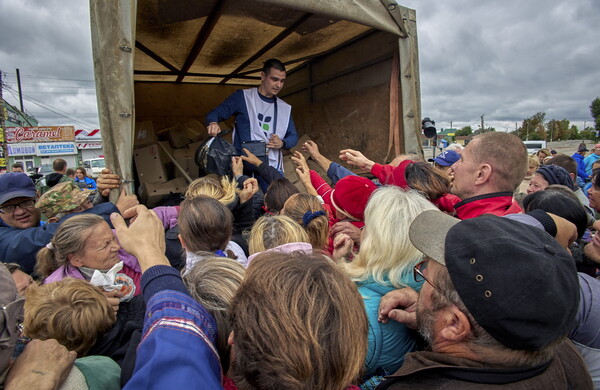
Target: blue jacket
{"type": "Point", "coordinates": [177, 349]}
{"type": "Point", "coordinates": [388, 343]}
{"type": "Point", "coordinates": [91, 184]}
{"type": "Point", "coordinates": [235, 104]}
{"type": "Point", "coordinates": [580, 166]}
{"type": "Point", "coordinates": [21, 245]}
{"type": "Point", "coordinates": [589, 161]}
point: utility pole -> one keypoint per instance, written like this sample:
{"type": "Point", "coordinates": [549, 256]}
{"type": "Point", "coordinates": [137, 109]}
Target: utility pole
{"type": "Point", "coordinates": [3, 153]}
{"type": "Point", "coordinates": [451, 124]}
{"type": "Point", "coordinates": [482, 128]}
{"type": "Point", "coordinates": [20, 93]}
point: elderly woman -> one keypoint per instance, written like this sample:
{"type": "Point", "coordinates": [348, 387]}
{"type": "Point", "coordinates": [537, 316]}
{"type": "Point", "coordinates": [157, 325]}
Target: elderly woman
{"type": "Point", "coordinates": [384, 263]}
{"type": "Point", "coordinates": [84, 247]}
{"type": "Point", "coordinates": [547, 175]}
{"type": "Point", "coordinates": [213, 282]}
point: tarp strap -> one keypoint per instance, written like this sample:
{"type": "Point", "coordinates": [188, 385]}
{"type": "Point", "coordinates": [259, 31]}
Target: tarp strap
{"type": "Point", "coordinates": [394, 135]}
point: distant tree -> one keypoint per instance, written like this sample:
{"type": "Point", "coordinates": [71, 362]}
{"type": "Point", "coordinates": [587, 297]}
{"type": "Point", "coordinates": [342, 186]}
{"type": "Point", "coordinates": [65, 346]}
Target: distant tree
{"type": "Point", "coordinates": [595, 111]}
{"type": "Point", "coordinates": [558, 130]}
{"type": "Point", "coordinates": [533, 127]}
{"type": "Point", "coordinates": [465, 131]}
{"type": "Point", "coordinates": [573, 133]}
{"type": "Point", "coordinates": [589, 133]}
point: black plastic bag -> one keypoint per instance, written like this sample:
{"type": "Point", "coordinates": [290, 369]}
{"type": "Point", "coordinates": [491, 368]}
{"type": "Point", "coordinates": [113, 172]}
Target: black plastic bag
{"type": "Point", "coordinates": [214, 156]}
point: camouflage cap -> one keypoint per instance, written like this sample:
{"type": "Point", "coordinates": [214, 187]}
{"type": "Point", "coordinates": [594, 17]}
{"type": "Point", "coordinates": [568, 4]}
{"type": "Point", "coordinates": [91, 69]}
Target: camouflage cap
{"type": "Point", "coordinates": [62, 198]}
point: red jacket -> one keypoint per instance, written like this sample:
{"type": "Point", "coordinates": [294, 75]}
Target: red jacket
{"type": "Point", "coordinates": [446, 202]}
{"type": "Point", "coordinates": [497, 203]}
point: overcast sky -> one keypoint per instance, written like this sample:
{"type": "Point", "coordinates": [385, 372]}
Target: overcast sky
{"type": "Point", "coordinates": [506, 59]}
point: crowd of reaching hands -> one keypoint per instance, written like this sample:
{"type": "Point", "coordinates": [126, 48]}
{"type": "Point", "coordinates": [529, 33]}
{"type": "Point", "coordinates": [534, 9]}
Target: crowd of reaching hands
{"type": "Point", "coordinates": [338, 285]}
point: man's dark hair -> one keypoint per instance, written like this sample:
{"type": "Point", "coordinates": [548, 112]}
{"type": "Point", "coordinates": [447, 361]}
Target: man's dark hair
{"type": "Point", "coordinates": [567, 162]}
{"type": "Point", "coordinates": [17, 165]}
{"type": "Point", "coordinates": [273, 63]}
{"type": "Point", "coordinates": [559, 200]}
{"type": "Point", "coordinates": [278, 192]}
{"type": "Point", "coordinates": [59, 165]}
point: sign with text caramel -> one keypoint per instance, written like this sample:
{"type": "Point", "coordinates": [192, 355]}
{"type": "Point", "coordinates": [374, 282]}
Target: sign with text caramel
{"type": "Point", "coordinates": [40, 134]}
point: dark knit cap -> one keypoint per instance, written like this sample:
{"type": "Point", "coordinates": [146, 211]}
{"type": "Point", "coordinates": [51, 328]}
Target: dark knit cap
{"type": "Point", "coordinates": [556, 175]}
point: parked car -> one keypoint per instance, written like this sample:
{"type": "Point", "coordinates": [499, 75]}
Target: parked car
{"type": "Point", "coordinates": [94, 166]}
{"type": "Point", "coordinates": [534, 146]}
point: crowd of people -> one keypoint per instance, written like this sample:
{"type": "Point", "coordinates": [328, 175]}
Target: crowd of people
{"type": "Point", "coordinates": [473, 270]}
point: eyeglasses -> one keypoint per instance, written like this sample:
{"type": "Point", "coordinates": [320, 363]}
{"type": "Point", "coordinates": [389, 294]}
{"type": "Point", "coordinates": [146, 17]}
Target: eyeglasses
{"type": "Point", "coordinates": [419, 276]}
{"type": "Point", "coordinates": [26, 204]}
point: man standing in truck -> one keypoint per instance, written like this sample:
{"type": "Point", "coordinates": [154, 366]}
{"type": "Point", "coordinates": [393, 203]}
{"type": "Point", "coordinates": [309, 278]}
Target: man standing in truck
{"type": "Point", "coordinates": [259, 116]}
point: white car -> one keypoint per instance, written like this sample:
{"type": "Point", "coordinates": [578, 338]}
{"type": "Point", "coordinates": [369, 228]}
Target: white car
{"type": "Point", "coordinates": [94, 166]}
{"type": "Point", "coordinates": [534, 146]}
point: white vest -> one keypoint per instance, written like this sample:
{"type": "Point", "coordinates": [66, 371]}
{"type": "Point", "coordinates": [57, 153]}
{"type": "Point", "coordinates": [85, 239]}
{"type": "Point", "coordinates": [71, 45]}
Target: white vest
{"type": "Point", "coordinates": [262, 123]}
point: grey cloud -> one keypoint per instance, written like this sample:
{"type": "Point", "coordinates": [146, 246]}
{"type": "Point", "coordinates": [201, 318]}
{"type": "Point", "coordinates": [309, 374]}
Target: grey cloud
{"type": "Point", "coordinates": [507, 59]}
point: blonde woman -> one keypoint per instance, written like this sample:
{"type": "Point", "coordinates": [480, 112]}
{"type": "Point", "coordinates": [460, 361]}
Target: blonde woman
{"type": "Point", "coordinates": [309, 213]}
{"type": "Point", "coordinates": [385, 262]}
{"type": "Point", "coordinates": [279, 233]}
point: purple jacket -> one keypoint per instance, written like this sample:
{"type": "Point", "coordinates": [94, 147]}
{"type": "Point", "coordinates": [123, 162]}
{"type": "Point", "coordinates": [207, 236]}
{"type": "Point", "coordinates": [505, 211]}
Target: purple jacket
{"type": "Point", "coordinates": [168, 215]}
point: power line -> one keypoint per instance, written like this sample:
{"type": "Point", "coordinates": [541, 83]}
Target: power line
{"type": "Point", "coordinates": [64, 93]}
{"type": "Point", "coordinates": [38, 86]}
{"type": "Point", "coordinates": [78, 120]}
{"type": "Point", "coordinates": [50, 77]}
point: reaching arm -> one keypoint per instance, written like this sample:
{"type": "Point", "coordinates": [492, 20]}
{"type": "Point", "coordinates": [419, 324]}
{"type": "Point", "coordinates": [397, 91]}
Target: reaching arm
{"type": "Point", "coordinates": [225, 110]}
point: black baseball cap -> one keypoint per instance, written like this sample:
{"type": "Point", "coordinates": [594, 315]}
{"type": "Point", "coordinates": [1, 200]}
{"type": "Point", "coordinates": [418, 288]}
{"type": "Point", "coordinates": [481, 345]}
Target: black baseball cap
{"type": "Point", "coordinates": [519, 284]}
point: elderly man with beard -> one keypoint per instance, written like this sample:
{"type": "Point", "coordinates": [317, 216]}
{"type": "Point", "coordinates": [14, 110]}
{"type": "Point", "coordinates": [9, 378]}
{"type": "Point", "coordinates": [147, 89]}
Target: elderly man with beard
{"type": "Point", "coordinates": [495, 308]}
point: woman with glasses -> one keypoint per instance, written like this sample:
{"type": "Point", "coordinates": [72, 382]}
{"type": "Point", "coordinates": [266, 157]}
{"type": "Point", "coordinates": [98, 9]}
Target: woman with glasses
{"type": "Point", "coordinates": [385, 262]}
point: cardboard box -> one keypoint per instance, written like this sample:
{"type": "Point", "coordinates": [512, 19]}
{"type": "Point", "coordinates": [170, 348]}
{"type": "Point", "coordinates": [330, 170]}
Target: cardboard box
{"type": "Point", "coordinates": [144, 134]}
{"type": "Point", "coordinates": [194, 146]}
{"type": "Point", "coordinates": [185, 158]}
{"type": "Point", "coordinates": [150, 167]}
{"type": "Point", "coordinates": [196, 130]}
{"type": "Point", "coordinates": [152, 193]}
{"type": "Point", "coordinates": [163, 156]}
{"type": "Point", "coordinates": [177, 136]}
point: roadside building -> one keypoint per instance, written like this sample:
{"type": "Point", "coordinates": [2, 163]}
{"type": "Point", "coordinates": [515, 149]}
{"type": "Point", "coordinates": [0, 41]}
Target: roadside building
{"type": "Point", "coordinates": [39, 146]}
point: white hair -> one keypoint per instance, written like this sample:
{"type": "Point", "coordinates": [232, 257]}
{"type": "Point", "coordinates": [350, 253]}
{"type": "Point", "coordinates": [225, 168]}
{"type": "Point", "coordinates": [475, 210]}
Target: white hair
{"type": "Point", "coordinates": [458, 148]}
{"type": "Point", "coordinates": [385, 250]}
